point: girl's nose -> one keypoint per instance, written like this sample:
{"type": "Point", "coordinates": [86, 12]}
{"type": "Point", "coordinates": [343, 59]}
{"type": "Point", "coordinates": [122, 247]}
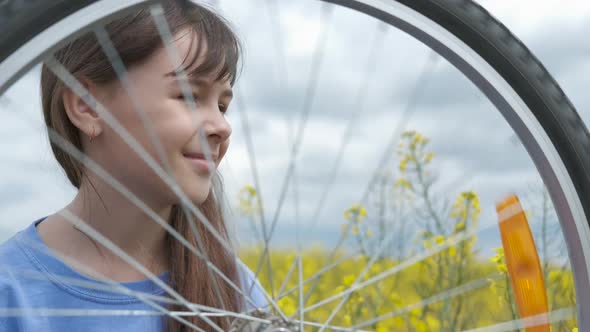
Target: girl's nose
{"type": "Point", "coordinates": [215, 125]}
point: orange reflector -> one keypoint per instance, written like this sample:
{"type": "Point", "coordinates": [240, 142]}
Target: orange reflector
{"type": "Point", "coordinates": [522, 261]}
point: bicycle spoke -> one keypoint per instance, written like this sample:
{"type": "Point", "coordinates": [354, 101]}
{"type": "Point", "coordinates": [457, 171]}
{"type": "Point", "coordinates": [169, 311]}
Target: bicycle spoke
{"type": "Point", "coordinates": [298, 250]}
{"type": "Point", "coordinates": [266, 295]}
{"type": "Point", "coordinates": [79, 156]}
{"type": "Point", "coordinates": [113, 286]}
{"type": "Point", "coordinates": [546, 318]}
{"type": "Point", "coordinates": [96, 236]}
{"type": "Point", "coordinates": [119, 68]}
{"type": "Point", "coordinates": [157, 13]}
{"type": "Point", "coordinates": [301, 303]}
{"type": "Point", "coordinates": [73, 84]}
{"type": "Point", "coordinates": [254, 169]}
{"type": "Point", "coordinates": [451, 241]}
{"type": "Point", "coordinates": [53, 312]}
{"type": "Point", "coordinates": [358, 103]}
{"type": "Point", "coordinates": [384, 245]}
{"type": "Point", "coordinates": [308, 100]}
{"type": "Point", "coordinates": [341, 240]}
{"type": "Point", "coordinates": [320, 273]}
{"type": "Point", "coordinates": [62, 73]}
{"type": "Point", "coordinates": [121, 72]}
{"type": "Point", "coordinates": [408, 111]}
{"type": "Point", "coordinates": [148, 299]}
{"type": "Point", "coordinates": [467, 287]}
{"type": "Point", "coordinates": [273, 11]}
{"type": "Point", "coordinates": [287, 278]}
{"type": "Point", "coordinates": [331, 327]}
{"type": "Point", "coordinates": [67, 312]}
{"type": "Point", "coordinates": [357, 108]}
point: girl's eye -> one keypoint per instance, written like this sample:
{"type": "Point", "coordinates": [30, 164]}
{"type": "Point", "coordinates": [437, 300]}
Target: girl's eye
{"type": "Point", "coordinates": [222, 108]}
{"type": "Point", "coordinates": [181, 97]}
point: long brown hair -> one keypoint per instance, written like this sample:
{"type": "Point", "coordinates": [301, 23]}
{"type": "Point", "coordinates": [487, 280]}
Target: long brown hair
{"type": "Point", "coordinates": [135, 37]}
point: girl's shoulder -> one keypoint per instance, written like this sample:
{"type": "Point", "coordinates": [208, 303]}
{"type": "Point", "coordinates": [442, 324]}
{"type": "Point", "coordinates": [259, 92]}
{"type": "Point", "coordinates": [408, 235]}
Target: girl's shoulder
{"type": "Point", "coordinates": [23, 263]}
{"type": "Point", "coordinates": [13, 258]}
{"type": "Point", "coordinates": [14, 267]}
{"type": "Point", "coordinates": [251, 284]}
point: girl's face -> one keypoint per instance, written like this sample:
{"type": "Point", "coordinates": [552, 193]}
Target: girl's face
{"type": "Point", "coordinates": [175, 125]}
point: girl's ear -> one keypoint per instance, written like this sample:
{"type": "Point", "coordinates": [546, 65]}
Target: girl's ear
{"type": "Point", "coordinates": [81, 114]}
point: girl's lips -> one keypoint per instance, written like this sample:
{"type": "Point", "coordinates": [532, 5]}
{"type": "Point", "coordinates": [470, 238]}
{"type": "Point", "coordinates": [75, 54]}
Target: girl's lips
{"type": "Point", "coordinates": [198, 155]}
{"type": "Point", "coordinates": [199, 163]}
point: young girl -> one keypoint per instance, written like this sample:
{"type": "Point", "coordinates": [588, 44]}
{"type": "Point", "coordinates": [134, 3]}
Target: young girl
{"type": "Point", "coordinates": [34, 271]}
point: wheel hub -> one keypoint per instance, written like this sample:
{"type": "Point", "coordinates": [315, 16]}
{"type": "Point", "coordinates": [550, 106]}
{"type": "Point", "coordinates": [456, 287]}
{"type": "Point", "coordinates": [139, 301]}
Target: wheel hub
{"type": "Point", "coordinates": [275, 324]}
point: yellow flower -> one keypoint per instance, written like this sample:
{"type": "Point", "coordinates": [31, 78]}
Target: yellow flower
{"type": "Point", "coordinates": [365, 311]}
{"type": "Point", "coordinates": [248, 191]}
{"type": "Point", "coordinates": [369, 233]}
{"type": "Point", "coordinates": [439, 239]}
{"type": "Point", "coordinates": [251, 190]}
{"type": "Point", "coordinates": [401, 182]}
{"type": "Point", "coordinates": [460, 226]}
{"type": "Point", "coordinates": [403, 164]}
{"type": "Point", "coordinates": [355, 213]}
{"type": "Point", "coordinates": [469, 195]}
{"type": "Point", "coordinates": [347, 320]}
{"type": "Point", "coordinates": [288, 305]}
{"type": "Point", "coordinates": [418, 138]}
{"type": "Point", "coordinates": [415, 312]}
{"type": "Point", "coordinates": [247, 200]}
{"type": "Point", "coordinates": [452, 251]}
{"type": "Point", "coordinates": [362, 211]}
{"type": "Point", "coordinates": [348, 280]}
{"type": "Point", "coordinates": [428, 157]}
{"type": "Point", "coordinates": [493, 286]}
{"type": "Point", "coordinates": [347, 215]}
{"type": "Point", "coordinates": [355, 230]}
{"type": "Point", "coordinates": [395, 298]}
{"type": "Point", "coordinates": [553, 276]}
{"type": "Point", "coordinates": [408, 133]}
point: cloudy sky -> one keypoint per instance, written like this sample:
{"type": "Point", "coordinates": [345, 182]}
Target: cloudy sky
{"type": "Point", "coordinates": [367, 77]}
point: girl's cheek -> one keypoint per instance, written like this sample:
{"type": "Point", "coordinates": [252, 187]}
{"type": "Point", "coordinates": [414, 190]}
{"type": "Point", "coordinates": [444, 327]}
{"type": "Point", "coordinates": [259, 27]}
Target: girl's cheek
{"type": "Point", "coordinates": [222, 150]}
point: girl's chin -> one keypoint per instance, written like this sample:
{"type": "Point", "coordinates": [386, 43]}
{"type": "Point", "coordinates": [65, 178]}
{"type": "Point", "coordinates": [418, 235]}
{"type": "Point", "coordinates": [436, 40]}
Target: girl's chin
{"type": "Point", "coordinates": [198, 199]}
{"type": "Point", "coordinates": [199, 194]}
{"type": "Point", "coordinates": [196, 189]}
{"type": "Point", "coordinates": [195, 198]}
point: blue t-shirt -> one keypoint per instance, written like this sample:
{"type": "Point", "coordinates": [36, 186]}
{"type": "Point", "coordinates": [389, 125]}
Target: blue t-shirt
{"type": "Point", "coordinates": [31, 277]}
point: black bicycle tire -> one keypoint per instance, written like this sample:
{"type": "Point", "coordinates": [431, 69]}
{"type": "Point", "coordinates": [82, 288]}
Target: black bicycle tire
{"type": "Point", "coordinates": [21, 20]}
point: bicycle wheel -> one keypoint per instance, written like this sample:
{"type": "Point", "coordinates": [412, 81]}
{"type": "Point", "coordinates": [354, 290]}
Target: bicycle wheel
{"type": "Point", "coordinates": [514, 82]}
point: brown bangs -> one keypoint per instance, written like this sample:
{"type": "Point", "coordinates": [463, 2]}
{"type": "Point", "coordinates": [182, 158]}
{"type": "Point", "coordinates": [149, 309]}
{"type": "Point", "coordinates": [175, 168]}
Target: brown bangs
{"type": "Point", "coordinates": [217, 51]}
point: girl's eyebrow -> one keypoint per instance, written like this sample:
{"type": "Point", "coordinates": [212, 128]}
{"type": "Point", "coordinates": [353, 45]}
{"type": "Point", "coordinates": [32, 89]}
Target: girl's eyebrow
{"type": "Point", "coordinates": [199, 82]}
